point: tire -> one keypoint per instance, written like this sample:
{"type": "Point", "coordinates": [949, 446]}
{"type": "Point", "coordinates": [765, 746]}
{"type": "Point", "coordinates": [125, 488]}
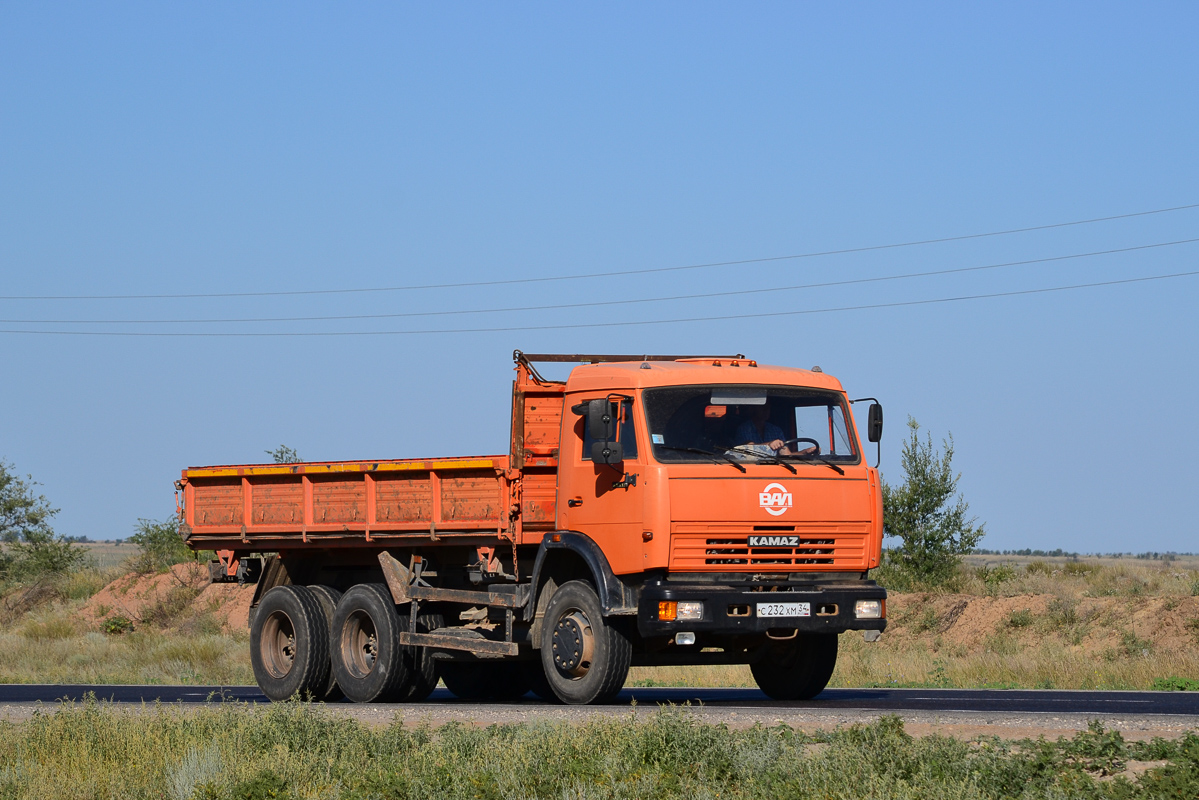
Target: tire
{"type": "Point", "coordinates": [422, 670]}
{"type": "Point", "coordinates": [584, 657]}
{"type": "Point", "coordinates": [289, 644]}
{"type": "Point", "coordinates": [327, 596]}
{"type": "Point", "coordinates": [485, 680]}
{"type": "Point", "coordinates": [798, 669]}
{"type": "Point", "coordinates": [369, 662]}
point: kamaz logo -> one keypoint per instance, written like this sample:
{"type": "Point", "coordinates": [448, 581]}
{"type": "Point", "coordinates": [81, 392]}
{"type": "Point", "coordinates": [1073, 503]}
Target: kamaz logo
{"type": "Point", "coordinates": [774, 541]}
{"type": "Point", "coordinates": [774, 498]}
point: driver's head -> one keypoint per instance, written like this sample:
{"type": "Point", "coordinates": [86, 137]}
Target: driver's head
{"type": "Point", "coordinates": [760, 414]}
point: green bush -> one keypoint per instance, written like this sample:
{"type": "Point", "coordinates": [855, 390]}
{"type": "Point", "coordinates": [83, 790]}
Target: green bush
{"type": "Point", "coordinates": [160, 545]}
{"type": "Point", "coordinates": [1175, 684]}
{"type": "Point", "coordinates": [1020, 619]}
{"type": "Point", "coordinates": [922, 512]}
{"type": "Point", "coordinates": [31, 550]}
{"type": "Point", "coordinates": [116, 624]}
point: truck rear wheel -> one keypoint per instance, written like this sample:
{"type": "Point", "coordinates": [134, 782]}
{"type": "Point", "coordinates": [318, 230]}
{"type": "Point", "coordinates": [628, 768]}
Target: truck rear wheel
{"type": "Point", "coordinates": [327, 596]}
{"type": "Point", "coordinates": [798, 669]}
{"type": "Point", "coordinates": [368, 659]}
{"type": "Point", "coordinates": [485, 680]}
{"type": "Point", "coordinates": [289, 644]}
{"type": "Point", "coordinates": [585, 658]}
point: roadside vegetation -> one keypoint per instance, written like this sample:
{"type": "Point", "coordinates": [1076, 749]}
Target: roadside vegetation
{"type": "Point", "coordinates": [294, 751]}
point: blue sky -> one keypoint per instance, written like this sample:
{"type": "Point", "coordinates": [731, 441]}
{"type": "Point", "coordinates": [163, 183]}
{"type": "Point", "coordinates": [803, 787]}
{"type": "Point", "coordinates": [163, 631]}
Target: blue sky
{"type": "Point", "coordinates": [226, 148]}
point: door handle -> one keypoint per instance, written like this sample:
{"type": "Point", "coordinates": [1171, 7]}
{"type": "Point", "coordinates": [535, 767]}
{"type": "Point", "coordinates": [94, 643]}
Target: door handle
{"type": "Point", "coordinates": [574, 502]}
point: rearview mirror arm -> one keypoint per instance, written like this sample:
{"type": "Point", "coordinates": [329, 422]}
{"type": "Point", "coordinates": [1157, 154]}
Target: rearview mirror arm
{"type": "Point", "coordinates": [878, 458]}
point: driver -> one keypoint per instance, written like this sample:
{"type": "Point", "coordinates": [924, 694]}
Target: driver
{"type": "Point", "coordinates": [758, 429]}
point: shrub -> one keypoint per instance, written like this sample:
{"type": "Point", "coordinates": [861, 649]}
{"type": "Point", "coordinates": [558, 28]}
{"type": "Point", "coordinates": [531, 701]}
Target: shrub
{"type": "Point", "coordinates": [32, 550]}
{"type": "Point", "coordinates": [1131, 645]}
{"type": "Point", "coordinates": [1175, 684]}
{"type": "Point", "coordinates": [1078, 568]}
{"type": "Point", "coordinates": [41, 554]}
{"type": "Point", "coordinates": [935, 533]}
{"type": "Point", "coordinates": [284, 455]}
{"type": "Point", "coordinates": [160, 544]}
{"type": "Point", "coordinates": [1062, 613]}
{"type": "Point", "coordinates": [994, 577]}
{"type": "Point", "coordinates": [1041, 567]}
{"type": "Point", "coordinates": [116, 624]}
{"type": "Point", "coordinates": [1020, 619]}
{"type": "Point", "coordinates": [927, 621]}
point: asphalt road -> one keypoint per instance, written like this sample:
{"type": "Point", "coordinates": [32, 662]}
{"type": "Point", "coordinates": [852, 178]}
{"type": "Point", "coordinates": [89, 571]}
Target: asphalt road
{"type": "Point", "coordinates": [1010, 701]}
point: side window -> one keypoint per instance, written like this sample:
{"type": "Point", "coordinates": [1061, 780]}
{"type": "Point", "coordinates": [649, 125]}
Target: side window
{"type": "Point", "coordinates": [826, 425]}
{"type": "Point", "coordinates": [627, 435]}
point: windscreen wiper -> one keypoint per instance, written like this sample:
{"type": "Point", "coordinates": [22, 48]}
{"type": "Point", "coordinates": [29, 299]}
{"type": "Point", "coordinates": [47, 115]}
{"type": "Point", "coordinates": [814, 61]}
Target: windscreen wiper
{"type": "Point", "coordinates": [768, 459]}
{"type": "Point", "coordinates": [826, 462]}
{"type": "Point", "coordinates": [716, 457]}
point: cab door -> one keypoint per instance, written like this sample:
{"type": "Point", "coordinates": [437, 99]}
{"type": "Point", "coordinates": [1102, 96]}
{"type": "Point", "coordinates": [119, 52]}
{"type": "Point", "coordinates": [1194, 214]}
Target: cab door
{"type": "Point", "coordinates": [596, 499]}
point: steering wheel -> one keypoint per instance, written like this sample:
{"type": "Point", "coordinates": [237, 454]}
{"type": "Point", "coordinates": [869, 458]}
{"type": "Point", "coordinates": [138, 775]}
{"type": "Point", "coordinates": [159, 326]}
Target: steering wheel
{"type": "Point", "coordinates": [813, 442]}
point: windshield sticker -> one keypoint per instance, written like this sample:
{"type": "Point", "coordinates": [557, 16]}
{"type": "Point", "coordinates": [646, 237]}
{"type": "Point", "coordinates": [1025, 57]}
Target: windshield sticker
{"type": "Point", "coordinates": [658, 438]}
{"type": "Point", "coordinates": [775, 499]}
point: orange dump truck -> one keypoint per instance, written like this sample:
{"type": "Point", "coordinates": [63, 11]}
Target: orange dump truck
{"type": "Point", "coordinates": [651, 510]}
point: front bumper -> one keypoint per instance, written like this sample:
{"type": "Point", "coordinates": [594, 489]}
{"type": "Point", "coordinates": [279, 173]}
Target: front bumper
{"type": "Point", "coordinates": [733, 610]}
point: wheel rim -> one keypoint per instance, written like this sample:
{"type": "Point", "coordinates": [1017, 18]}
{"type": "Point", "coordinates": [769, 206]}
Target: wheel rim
{"type": "Point", "coordinates": [277, 645]}
{"type": "Point", "coordinates": [573, 643]}
{"type": "Point", "coordinates": [359, 644]}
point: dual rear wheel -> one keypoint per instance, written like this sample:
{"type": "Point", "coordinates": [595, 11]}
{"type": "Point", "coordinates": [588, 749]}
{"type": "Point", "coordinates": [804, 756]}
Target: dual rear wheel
{"type": "Point", "coordinates": [314, 642]}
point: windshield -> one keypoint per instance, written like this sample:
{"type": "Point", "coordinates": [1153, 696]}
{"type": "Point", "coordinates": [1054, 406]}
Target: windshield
{"type": "Point", "coordinates": [748, 423]}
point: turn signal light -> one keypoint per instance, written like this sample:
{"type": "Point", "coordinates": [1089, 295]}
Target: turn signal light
{"type": "Point", "coordinates": [668, 610]}
{"type": "Point", "coordinates": [868, 609]}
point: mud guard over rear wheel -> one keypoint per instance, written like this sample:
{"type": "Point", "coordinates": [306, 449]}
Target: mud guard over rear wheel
{"type": "Point", "coordinates": [289, 644]}
{"type": "Point", "coordinates": [584, 657]}
{"type": "Point", "coordinates": [797, 669]}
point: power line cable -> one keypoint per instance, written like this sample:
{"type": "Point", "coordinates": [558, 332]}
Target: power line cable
{"type": "Point", "coordinates": [610, 274]}
{"type": "Point", "coordinates": [760, 315]}
{"type": "Point", "coordinates": [593, 304]}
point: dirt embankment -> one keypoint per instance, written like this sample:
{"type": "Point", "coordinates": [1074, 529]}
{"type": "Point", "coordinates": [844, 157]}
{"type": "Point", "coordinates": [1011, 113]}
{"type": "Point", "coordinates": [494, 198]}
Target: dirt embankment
{"type": "Point", "coordinates": [1092, 624]}
{"type": "Point", "coordinates": [185, 590]}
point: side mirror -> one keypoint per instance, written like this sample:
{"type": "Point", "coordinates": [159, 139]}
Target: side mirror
{"type": "Point", "coordinates": [874, 425]}
{"type": "Point", "coordinates": [607, 453]}
{"type": "Point", "coordinates": [601, 423]}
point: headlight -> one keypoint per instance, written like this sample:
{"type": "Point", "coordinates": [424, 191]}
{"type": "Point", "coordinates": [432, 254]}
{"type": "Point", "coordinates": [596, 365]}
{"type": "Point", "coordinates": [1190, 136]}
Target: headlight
{"type": "Point", "coordinates": [671, 610]}
{"type": "Point", "coordinates": [868, 609]}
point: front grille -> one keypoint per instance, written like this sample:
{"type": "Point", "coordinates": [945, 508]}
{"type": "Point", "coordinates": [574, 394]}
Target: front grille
{"type": "Point", "coordinates": [736, 551]}
{"type": "Point", "coordinates": [731, 551]}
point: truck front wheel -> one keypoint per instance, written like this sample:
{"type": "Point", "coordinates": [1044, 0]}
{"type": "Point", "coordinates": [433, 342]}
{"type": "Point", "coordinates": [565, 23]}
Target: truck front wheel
{"type": "Point", "coordinates": [584, 657]}
{"type": "Point", "coordinates": [368, 659]}
{"type": "Point", "coordinates": [797, 669]}
{"type": "Point", "coordinates": [289, 644]}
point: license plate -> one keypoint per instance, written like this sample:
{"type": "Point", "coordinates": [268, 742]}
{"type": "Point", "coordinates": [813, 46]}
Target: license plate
{"type": "Point", "coordinates": [784, 609]}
